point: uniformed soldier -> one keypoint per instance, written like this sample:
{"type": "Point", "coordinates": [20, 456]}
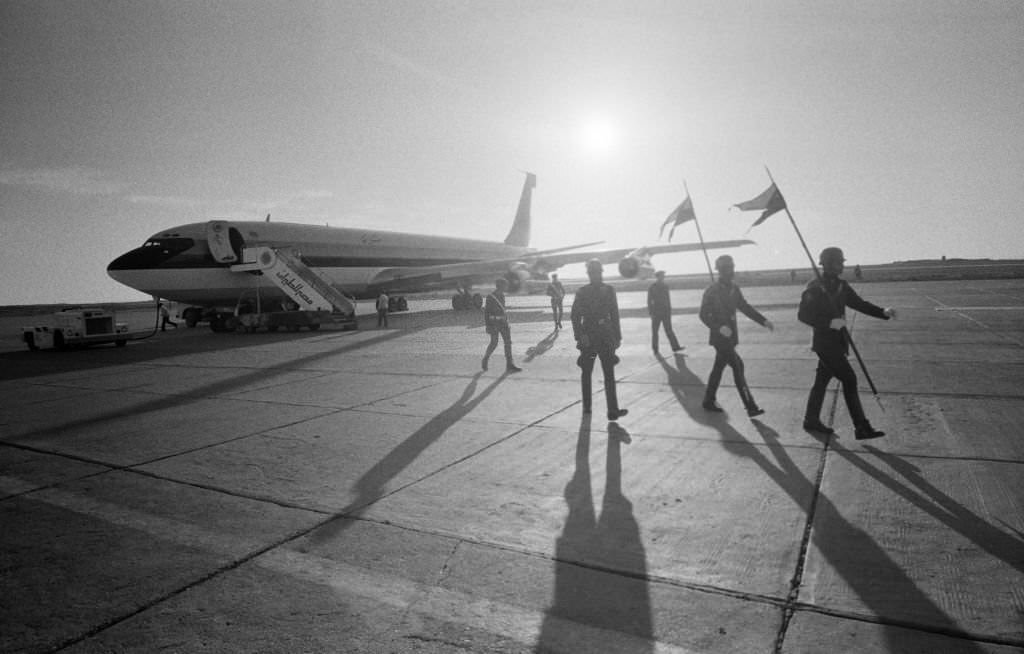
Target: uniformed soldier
{"type": "Point", "coordinates": [718, 311]}
{"type": "Point", "coordinates": [595, 325]}
{"type": "Point", "coordinates": [496, 323]}
{"type": "Point", "coordinates": [823, 307]}
{"type": "Point", "coordinates": [659, 307]}
{"type": "Point", "coordinates": [556, 292]}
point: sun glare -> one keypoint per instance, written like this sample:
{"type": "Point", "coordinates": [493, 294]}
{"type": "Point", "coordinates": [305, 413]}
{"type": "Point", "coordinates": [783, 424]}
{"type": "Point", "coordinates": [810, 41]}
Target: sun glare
{"type": "Point", "coordinates": [598, 135]}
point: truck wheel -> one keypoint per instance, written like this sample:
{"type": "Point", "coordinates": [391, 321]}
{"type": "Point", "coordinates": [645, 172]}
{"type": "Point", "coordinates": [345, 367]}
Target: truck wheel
{"type": "Point", "coordinates": [191, 316]}
{"type": "Point", "coordinates": [121, 343]}
{"type": "Point", "coordinates": [58, 341]}
{"type": "Point", "coordinates": [315, 326]}
{"type": "Point", "coordinates": [30, 341]}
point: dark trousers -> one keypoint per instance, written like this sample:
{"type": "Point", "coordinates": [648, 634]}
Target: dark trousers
{"type": "Point", "coordinates": [835, 364]}
{"type": "Point", "coordinates": [656, 323]}
{"type": "Point", "coordinates": [167, 321]}
{"type": "Point", "coordinates": [506, 335]}
{"type": "Point", "coordinates": [382, 317]}
{"type": "Point", "coordinates": [608, 361]}
{"type": "Point", "coordinates": [726, 355]}
{"type": "Point", "coordinates": [556, 309]}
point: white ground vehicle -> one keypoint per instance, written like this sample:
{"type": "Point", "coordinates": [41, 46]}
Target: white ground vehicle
{"type": "Point", "coordinates": [76, 327]}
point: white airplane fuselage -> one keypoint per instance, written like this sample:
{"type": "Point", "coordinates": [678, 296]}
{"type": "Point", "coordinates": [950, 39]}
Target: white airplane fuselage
{"type": "Point", "coordinates": [179, 264]}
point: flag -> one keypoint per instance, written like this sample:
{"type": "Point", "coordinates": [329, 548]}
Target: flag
{"type": "Point", "coordinates": [680, 215]}
{"type": "Point", "coordinates": [771, 201]}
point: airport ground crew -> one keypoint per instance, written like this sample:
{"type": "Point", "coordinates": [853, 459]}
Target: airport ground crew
{"type": "Point", "coordinates": [659, 306]}
{"type": "Point", "coordinates": [496, 324]}
{"type": "Point", "coordinates": [595, 325]}
{"type": "Point", "coordinates": [718, 311]}
{"type": "Point", "coordinates": [165, 317]}
{"type": "Point", "coordinates": [382, 309]}
{"type": "Point", "coordinates": [557, 293]}
{"type": "Point", "coordinates": [823, 307]}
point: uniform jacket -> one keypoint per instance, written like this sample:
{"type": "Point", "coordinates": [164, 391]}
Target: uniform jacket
{"type": "Point", "coordinates": [658, 302]}
{"type": "Point", "coordinates": [827, 299]}
{"type": "Point", "coordinates": [718, 309]}
{"type": "Point", "coordinates": [595, 314]}
{"type": "Point", "coordinates": [494, 311]}
{"type": "Point", "coordinates": [556, 291]}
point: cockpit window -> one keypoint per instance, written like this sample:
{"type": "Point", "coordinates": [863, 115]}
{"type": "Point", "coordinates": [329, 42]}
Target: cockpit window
{"type": "Point", "coordinates": [154, 252]}
{"type": "Point", "coordinates": [168, 246]}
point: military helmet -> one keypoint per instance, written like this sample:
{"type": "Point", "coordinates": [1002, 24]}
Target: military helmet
{"type": "Point", "coordinates": [832, 254]}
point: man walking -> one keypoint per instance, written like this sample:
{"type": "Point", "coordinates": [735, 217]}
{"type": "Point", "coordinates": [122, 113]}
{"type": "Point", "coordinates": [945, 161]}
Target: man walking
{"type": "Point", "coordinates": [383, 305]}
{"type": "Point", "coordinates": [496, 323]}
{"type": "Point", "coordinates": [595, 326]}
{"type": "Point", "coordinates": [823, 307]}
{"type": "Point", "coordinates": [557, 293]}
{"type": "Point", "coordinates": [659, 306]}
{"type": "Point", "coordinates": [718, 311]}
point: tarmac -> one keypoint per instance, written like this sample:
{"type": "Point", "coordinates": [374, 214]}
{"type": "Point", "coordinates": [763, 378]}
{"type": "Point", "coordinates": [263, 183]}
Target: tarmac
{"type": "Point", "coordinates": [375, 491]}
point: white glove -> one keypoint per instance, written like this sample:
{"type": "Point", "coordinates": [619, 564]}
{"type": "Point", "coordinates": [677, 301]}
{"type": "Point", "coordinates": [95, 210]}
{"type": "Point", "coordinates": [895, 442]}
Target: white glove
{"type": "Point", "coordinates": [725, 331]}
{"type": "Point", "coordinates": [769, 325]}
{"type": "Point", "coordinates": [837, 324]}
{"type": "Point", "coordinates": [890, 313]}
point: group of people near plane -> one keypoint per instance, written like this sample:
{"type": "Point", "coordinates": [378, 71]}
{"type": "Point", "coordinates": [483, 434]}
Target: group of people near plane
{"type": "Point", "coordinates": [595, 324]}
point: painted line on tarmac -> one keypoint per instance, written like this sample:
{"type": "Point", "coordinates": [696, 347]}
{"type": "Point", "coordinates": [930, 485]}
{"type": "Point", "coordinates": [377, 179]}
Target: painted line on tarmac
{"type": "Point", "coordinates": [445, 605]}
{"type": "Point", "coordinates": [942, 306]}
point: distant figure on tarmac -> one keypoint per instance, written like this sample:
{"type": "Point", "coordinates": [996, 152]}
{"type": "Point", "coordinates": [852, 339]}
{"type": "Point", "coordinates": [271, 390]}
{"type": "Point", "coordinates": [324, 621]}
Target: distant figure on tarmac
{"type": "Point", "coordinates": [857, 274]}
{"type": "Point", "coordinates": [823, 307]}
{"type": "Point", "coordinates": [718, 311]}
{"type": "Point", "coordinates": [659, 306]}
{"type": "Point", "coordinates": [165, 317]}
{"type": "Point", "coordinates": [496, 324]}
{"type": "Point", "coordinates": [595, 326]}
{"type": "Point", "coordinates": [383, 302]}
{"type": "Point", "coordinates": [557, 293]}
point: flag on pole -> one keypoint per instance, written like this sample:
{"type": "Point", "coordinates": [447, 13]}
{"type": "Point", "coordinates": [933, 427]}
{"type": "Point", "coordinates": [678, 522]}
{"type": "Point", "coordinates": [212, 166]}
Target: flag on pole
{"type": "Point", "coordinates": [771, 201]}
{"type": "Point", "coordinates": [680, 215]}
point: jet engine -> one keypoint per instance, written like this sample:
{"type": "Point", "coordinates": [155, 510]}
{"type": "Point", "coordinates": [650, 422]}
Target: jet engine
{"type": "Point", "coordinates": [637, 264]}
{"type": "Point", "coordinates": [517, 275]}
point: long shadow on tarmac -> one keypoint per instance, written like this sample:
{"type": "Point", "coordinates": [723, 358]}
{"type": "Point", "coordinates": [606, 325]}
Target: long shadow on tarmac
{"type": "Point", "coordinates": [940, 506]}
{"type": "Point", "coordinates": [600, 562]}
{"type": "Point", "coordinates": [372, 485]}
{"type": "Point", "coordinates": [209, 390]}
{"type": "Point", "coordinates": [542, 346]}
{"type": "Point", "coordinates": [852, 552]}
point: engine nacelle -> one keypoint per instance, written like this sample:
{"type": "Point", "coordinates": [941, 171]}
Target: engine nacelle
{"type": "Point", "coordinates": [637, 264]}
{"type": "Point", "coordinates": [517, 275]}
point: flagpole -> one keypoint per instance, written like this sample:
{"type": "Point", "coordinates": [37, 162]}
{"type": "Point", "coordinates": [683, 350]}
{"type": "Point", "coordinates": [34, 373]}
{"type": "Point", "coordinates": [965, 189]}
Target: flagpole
{"type": "Point", "coordinates": [817, 275]}
{"type": "Point", "coordinates": [699, 235]}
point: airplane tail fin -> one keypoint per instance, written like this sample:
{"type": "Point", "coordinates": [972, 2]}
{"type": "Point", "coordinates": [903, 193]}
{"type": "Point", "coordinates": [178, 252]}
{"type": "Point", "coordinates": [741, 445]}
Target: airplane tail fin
{"type": "Point", "coordinates": [519, 235]}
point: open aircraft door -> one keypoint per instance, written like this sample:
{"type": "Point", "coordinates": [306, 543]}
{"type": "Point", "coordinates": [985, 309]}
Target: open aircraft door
{"type": "Point", "coordinates": [225, 241]}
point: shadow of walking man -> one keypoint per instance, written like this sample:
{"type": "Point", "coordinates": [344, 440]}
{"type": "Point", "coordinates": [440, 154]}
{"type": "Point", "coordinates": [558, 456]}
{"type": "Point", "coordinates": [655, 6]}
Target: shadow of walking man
{"type": "Point", "coordinates": [850, 557]}
{"type": "Point", "coordinates": [372, 486]}
{"type": "Point", "coordinates": [601, 599]}
{"type": "Point", "coordinates": [542, 346]}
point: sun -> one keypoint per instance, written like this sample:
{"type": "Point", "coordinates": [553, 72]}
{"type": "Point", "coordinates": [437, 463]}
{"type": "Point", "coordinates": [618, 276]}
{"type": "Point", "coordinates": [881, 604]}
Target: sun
{"type": "Point", "coordinates": [598, 135]}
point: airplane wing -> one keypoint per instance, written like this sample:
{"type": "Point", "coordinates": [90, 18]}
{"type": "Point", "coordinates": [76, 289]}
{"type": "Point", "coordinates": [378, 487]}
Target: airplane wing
{"type": "Point", "coordinates": [531, 264]}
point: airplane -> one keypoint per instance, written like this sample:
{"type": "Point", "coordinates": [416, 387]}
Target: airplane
{"type": "Point", "coordinates": [212, 265]}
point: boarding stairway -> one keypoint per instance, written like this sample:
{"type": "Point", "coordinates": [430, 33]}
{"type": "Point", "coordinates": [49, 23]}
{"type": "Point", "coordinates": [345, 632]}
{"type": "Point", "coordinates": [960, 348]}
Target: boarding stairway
{"type": "Point", "coordinates": [287, 271]}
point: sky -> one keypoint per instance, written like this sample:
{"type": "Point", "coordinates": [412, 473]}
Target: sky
{"type": "Point", "coordinates": [893, 129]}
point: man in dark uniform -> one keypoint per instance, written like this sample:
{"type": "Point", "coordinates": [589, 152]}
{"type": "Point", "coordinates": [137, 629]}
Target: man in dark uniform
{"type": "Point", "coordinates": [496, 323]}
{"type": "Point", "coordinates": [718, 311]}
{"type": "Point", "coordinates": [557, 293]}
{"type": "Point", "coordinates": [595, 325]}
{"type": "Point", "coordinates": [659, 306]}
{"type": "Point", "coordinates": [823, 307]}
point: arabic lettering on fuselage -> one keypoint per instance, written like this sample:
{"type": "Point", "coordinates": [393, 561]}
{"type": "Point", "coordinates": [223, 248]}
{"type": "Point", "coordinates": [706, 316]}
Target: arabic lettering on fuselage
{"type": "Point", "coordinates": [295, 285]}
